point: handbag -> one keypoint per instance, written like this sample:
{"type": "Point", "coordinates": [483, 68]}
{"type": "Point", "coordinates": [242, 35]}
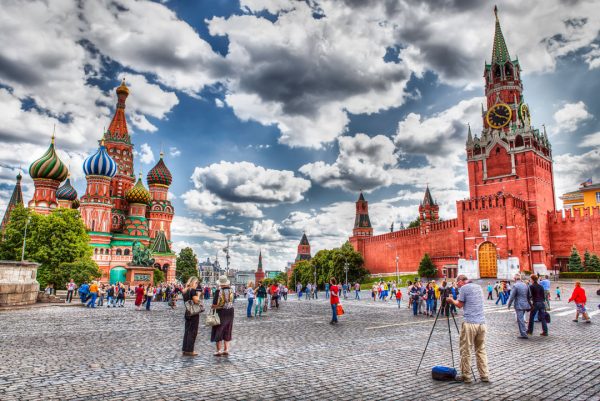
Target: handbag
{"type": "Point", "coordinates": [212, 319]}
{"type": "Point", "coordinates": [193, 309]}
{"type": "Point", "coordinates": [339, 310]}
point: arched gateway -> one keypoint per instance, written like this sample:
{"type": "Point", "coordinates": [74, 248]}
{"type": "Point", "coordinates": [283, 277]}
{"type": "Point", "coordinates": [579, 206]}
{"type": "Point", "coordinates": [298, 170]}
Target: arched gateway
{"type": "Point", "coordinates": [117, 275]}
{"type": "Point", "coordinates": [488, 260]}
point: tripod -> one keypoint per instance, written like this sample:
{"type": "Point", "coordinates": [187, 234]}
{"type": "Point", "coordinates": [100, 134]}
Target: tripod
{"type": "Point", "coordinates": [448, 312]}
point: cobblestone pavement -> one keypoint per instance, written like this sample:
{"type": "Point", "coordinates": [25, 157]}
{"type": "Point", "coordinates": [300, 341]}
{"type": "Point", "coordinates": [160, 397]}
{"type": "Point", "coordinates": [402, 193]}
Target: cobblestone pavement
{"type": "Point", "coordinates": [65, 353]}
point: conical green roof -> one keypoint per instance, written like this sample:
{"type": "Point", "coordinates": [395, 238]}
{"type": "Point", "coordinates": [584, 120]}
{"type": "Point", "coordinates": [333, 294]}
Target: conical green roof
{"type": "Point", "coordinates": [500, 53]}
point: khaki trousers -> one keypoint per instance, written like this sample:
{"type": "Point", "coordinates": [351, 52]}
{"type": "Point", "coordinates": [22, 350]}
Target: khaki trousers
{"type": "Point", "coordinates": [473, 335]}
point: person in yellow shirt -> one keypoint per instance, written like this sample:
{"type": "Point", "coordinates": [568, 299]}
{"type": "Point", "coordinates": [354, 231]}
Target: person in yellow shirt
{"type": "Point", "coordinates": [437, 292]}
{"type": "Point", "coordinates": [93, 294]}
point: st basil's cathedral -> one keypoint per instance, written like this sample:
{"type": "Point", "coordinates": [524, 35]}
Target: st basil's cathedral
{"type": "Point", "coordinates": [120, 213]}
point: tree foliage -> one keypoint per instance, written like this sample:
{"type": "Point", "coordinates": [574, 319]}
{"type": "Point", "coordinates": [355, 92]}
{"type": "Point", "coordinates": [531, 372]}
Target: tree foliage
{"type": "Point", "coordinates": [52, 240]}
{"type": "Point", "coordinates": [427, 268]}
{"type": "Point", "coordinates": [329, 263]}
{"type": "Point", "coordinates": [81, 271]}
{"type": "Point", "coordinates": [587, 261]}
{"type": "Point", "coordinates": [575, 261]}
{"type": "Point", "coordinates": [187, 265]}
{"type": "Point", "coordinates": [595, 264]}
{"type": "Point", "coordinates": [159, 277]}
{"type": "Point", "coordinates": [415, 223]}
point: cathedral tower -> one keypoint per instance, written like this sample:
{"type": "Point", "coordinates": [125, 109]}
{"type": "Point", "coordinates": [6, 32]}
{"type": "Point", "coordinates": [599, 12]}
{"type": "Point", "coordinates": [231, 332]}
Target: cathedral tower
{"type": "Point", "coordinates": [67, 195]}
{"type": "Point", "coordinates": [138, 198]}
{"type": "Point", "coordinates": [47, 172]}
{"type": "Point", "coordinates": [16, 199]}
{"type": "Point", "coordinates": [119, 147]}
{"type": "Point", "coordinates": [160, 212]}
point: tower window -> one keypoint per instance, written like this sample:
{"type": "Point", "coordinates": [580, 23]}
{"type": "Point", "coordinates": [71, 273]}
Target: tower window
{"type": "Point", "coordinates": [597, 197]}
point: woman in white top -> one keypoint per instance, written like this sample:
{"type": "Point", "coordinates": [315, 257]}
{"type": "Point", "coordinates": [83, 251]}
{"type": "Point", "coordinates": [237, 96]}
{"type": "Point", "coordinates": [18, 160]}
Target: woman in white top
{"type": "Point", "coordinates": [250, 295]}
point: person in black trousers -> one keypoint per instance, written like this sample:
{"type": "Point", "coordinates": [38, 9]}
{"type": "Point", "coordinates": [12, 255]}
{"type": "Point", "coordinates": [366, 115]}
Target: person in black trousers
{"type": "Point", "coordinates": [537, 300]}
{"type": "Point", "coordinates": [191, 322]}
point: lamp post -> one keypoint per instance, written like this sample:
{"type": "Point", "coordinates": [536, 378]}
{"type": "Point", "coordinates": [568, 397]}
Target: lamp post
{"type": "Point", "coordinates": [226, 250]}
{"type": "Point", "coordinates": [397, 259]}
{"type": "Point", "coordinates": [25, 239]}
{"type": "Point", "coordinates": [346, 270]}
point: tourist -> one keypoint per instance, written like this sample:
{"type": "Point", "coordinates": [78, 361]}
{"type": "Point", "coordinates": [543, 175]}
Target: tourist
{"type": "Point", "coordinates": [429, 298]}
{"type": "Point", "coordinates": [149, 296]}
{"type": "Point", "coordinates": [538, 306]}
{"type": "Point", "coordinates": [261, 294]}
{"type": "Point", "coordinates": [326, 290]}
{"type": "Point", "coordinates": [345, 290]}
{"type": "Point", "coordinates": [139, 296]}
{"type": "Point", "coordinates": [70, 290]}
{"type": "Point", "coordinates": [250, 296]}
{"type": "Point", "coordinates": [422, 298]}
{"type": "Point", "coordinates": [191, 322]}
{"type": "Point", "coordinates": [223, 304]}
{"type": "Point", "coordinates": [299, 290]}
{"type": "Point", "coordinates": [312, 291]}
{"type": "Point", "coordinates": [436, 290]}
{"type": "Point", "coordinates": [473, 328]}
{"type": "Point", "coordinates": [519, 296]}
{"type": "Point", "coordinates": [489, 290]}
{"type": "Point", "coordinates": [558, 293]}
{"type": "Point", "coordinates": [546, 284]}
{"type": "Point", "coordinates": [110, 296]}
{"type": "Point", "coordinates": [357, 291]}
{"type": "Point", "coordinates": [120, 295]}
{"type": "Point", "coordinates": [578, 296]}
{"type": "Point", "coordinates": [274, 295]}
{"type": "Point", "coordinates": [409, 288]}
{"type": "Point", "coordinates": [497, 289]}
{"type": "Point", "coordinates": [415, 296]}
{"type": "Point", "coordinates": [93, 292]}
{"type": "Point", "coordinates": [84, 291]}
{"type": "Point", "coordinates": [316, 288]}
{"type": "Point", "coordinates": [334, 300]}
{"type": "Point", "coordinates": [374, 292]}
{"type": "Point", "coordinates": [307, 291]}
{"type": "Point", "coordinates": [101, 294]}
{"type": "Point", "coordinates": [398, 297]}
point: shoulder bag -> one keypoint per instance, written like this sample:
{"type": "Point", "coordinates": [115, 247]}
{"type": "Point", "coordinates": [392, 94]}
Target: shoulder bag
{"type": "Point", "coordinates": [212, 319]}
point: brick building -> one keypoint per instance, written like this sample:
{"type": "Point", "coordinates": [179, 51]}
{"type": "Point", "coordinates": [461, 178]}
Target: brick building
{"type": "Point", "coordinates": [510, 222]}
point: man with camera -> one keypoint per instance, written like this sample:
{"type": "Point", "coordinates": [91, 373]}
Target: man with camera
{"type": "Point", "coordinates": [518, 296]}
{"type": "Point", "coordinates": [473, 329]}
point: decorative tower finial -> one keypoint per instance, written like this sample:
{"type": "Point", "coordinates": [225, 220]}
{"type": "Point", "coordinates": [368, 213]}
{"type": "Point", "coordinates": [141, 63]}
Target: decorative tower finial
{"type": "Point", "coordinates": [53, 134]}
{"type": "Point", "coordinates": [496, 12]}
{"type": "Point", "coordinates": [469, 135]}
{"type": "Point", "coordinates": [500, 53]}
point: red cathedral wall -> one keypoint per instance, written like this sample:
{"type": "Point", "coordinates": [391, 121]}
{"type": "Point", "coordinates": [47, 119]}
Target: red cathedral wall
{"type": "Point", "coordinates": [581, 229]}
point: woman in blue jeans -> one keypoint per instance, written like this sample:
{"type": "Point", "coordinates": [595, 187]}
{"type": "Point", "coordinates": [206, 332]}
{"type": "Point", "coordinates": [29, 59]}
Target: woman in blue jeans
{"type": "Point", "coordinates": [430, 294]}
{"type": "Point", "coordinates": [250, 295]}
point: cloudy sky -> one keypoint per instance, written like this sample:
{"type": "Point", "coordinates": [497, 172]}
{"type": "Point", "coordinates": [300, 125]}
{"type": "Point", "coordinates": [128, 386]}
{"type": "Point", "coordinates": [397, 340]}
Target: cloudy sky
{"type": "Point", "coordinates": [273, 114]}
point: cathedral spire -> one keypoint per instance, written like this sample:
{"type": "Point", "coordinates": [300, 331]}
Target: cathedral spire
{"type": "Point", "coordinates": [428, 199]}
{"type": "Point", "coordinates": [469, 136]}
{"type": "Point", "coordinates": [15, 200]}
{"type": "Point", "coordinates": [500, 53]}
{"type": "Point", "coordinates": [362, 223]}
{"type": "Point", "coordinates": [117, 130]}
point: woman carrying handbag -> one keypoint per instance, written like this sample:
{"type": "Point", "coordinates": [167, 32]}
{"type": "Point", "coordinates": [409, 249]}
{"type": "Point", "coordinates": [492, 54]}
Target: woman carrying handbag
{"type": "Point", "coordinates": [193, 308]}
{"type": "Point", "coordinates": [223, 304]}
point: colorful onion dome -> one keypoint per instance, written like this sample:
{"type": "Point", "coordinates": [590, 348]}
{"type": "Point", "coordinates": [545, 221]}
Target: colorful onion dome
{"type": "Point", "coordinates": [138, 193]}
{"type": "Point", "coordinates": [159, 174]}
{"type": "Point", "coordinates": [122, 89]}
{"type": "Point", "coordinates": [66, 191]}
{"type": "Point", "coordinates": [75, 204]}
{"type": "Point", "coordinates": [100, 163]}
{"type": "Point", "coordinates": [49, 166]}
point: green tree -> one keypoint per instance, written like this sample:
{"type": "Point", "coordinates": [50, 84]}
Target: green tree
{"type": "Point", "coordinates": [595, 263]}
{"type": "Point", "coordinates": [587, 261]}
{"type": "Point", "coordinates": [159, 276]}
{"type": "Point", "coordinates": [187, 265]}
{"type": "Point", "coordinates": [574, 264]}
{"type": "Point", "coordinates": [427, 268]}
{"type": "Point", "coordinates": [302, 274]}
{"type": "Point", "coordinates": [81, 271]}
{"type": "Point", "coordinates": [12, 243]}
{"type": "Point", "coordinates": [415, 223]}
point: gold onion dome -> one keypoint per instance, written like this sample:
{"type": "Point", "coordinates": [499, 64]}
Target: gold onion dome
{"type": "Point", "coordinates": [123, 88]}
{"type": "Point", "coordinates": [159, 174]}
{"type": "Point", "coordinates": [49, 166]}
{"type": "Point", "coordinates": [138, 193]}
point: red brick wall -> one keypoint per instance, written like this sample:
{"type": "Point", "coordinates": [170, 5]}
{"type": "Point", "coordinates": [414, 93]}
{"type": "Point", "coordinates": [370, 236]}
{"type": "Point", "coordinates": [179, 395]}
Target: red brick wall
{"type": "Point", "coordinates": [579, 229]}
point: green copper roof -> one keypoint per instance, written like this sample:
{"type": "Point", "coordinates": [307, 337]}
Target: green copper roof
{"type": "Point", "coordinates": [160, 244]}
{"type": "Point", "coordinates": [500, 51]}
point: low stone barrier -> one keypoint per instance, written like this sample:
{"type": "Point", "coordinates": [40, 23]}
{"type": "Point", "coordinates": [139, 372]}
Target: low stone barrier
{"type": "Point", "coordinates": [18, 284]}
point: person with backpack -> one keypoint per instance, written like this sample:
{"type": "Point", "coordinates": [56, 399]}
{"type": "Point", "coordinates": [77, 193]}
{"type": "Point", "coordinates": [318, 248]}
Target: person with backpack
{"type": "Point", "coordinates": [537, 300]}
{"type": "Point", "coordinates": [261, 294]}
{"type": "Point", "coordinates": [223, 304]}
{"type": "Point", "coordinates": [84, 291]}
{"type": "Point", "coordinates": [110, 296]}
{"type": "Point", "coordinates": [120, 296]}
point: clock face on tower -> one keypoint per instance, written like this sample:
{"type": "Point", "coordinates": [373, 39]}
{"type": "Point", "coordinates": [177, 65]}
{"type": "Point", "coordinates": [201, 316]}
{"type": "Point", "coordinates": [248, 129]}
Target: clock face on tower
{"type": "Point", "coordinates": [498, 115]}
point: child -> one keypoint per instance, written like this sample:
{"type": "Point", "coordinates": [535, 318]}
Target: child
{"type": "Point", "coordinates": [398, 297]}
{"type": "Point", "coordinates": [558, 293]}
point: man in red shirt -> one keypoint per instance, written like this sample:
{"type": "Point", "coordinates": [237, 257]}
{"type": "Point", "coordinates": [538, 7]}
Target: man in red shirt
{"type": "Point", "coordinates": [334, 299]}
{"type": "Point", "coordinates": [275, 294]}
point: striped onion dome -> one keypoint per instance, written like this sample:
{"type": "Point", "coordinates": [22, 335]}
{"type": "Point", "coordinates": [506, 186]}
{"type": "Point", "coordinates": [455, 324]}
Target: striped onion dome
{"type": "Point", "coordinates": [49, 166]}
{"type": "Point", "coordinates": [100, 163]}
{"type": "Point", "coordinates": [159, 174]}
{"type": "Point", "coordinates": [66, 191]}
{"type": "Point", "coordinates": [138, 193]}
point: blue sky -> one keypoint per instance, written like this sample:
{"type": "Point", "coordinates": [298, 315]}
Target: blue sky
{"type": "Point", "coordinates": [274, 113]}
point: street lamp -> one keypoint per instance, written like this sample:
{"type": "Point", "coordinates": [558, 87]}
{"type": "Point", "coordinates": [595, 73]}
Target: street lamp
{"type": "Point", "coordinates": [25, 239]}
{"type": "Point", "coordinates": [226, 250]}
{"type": "Point", "coordinates": [397, 259]}
{"type": "Point", "coordinates": [346, 270]}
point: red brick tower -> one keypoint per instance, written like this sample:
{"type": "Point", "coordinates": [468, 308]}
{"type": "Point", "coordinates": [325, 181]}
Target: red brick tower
{"type": "Point", "coordinates": [510, 156]}
{"type": "Point", "coordinates": [362, 225]}
{"type": "Point", "coordinates": [428, 211]}
{"type": "Point", "coordinates": [303, 249]}
{"type": "Point", "coordinates": [160, 212]}
{"type": "Point", "coordinates": [259, 275]}
{"type": "Point", "coordinates": [120, 148]}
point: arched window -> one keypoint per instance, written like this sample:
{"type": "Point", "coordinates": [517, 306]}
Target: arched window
{"type": "Point", "coordinates": [118, 252]}
{"type": "Point", "coordinates": [126, 252]}
{"type": "Point", "coordinates": [95, 251]}
{"type": "Point", "coordinates": [519, 141]}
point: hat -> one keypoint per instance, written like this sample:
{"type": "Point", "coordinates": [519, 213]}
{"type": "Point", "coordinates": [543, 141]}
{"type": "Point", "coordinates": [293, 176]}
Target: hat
{"type": "Point", "coordinates": [223, 281]}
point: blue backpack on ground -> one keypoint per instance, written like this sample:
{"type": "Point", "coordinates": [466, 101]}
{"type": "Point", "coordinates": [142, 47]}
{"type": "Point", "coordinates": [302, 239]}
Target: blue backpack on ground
{"type": "Point", "coordinates": [443, 373]}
